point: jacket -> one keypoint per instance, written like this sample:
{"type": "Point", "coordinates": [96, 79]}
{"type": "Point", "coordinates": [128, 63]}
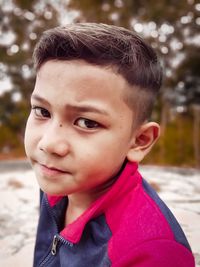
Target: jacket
{"type": "Point", "coordinates": [129, 226]}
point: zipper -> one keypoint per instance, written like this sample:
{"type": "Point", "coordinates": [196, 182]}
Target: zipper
{"type": "Point", "coordinates": [64, 241]}
{"type": "Point", "coordinates": [57, 239]}
{"type": "Point", "coordinates": [49, 254]}
{"type": "Point", "coordinates": [54, 245]}
{"type": "Point", "coordinates": [45, 260]}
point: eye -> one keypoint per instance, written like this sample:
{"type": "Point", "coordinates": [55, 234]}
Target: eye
{"type": "Point", "coordinates": [41, 112]}
{"type": "Point", "coordinates": [87, 124]}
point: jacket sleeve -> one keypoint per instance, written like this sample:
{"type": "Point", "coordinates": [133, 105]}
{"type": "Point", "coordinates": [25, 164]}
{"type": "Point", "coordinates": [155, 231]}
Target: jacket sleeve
{"type": "Point", "coordinates": [157, 253]}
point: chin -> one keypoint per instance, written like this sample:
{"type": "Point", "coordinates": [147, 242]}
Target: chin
{"type": "Point", "coordinates": [54, 192]}
{"type": "Point", "coordinates": [51, 191]}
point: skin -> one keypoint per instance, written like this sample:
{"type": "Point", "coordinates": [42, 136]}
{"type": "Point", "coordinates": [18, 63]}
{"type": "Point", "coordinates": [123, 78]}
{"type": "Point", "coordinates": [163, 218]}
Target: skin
{"type": "Point", "coordinates": [80, 131]}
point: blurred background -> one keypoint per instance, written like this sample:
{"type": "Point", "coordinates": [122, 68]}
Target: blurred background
{"type": "Point", "coordinates": [170, 26]}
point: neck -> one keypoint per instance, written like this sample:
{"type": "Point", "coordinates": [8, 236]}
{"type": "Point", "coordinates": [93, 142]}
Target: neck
{"type": "Point", "coordinates": [78, 203]}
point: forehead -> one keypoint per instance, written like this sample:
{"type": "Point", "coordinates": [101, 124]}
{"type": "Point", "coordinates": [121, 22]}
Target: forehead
{"type": "Point", "coordinates": [80, 70]}
{"type": "Point", "coordinates": [78, 81]}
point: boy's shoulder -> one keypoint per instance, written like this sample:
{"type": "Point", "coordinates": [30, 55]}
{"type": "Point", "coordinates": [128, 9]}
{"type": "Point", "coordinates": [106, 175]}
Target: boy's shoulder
{"type": "Point", "coordinates": [143, 226]}
{"type": "Point", "coordinates": [142, 214]}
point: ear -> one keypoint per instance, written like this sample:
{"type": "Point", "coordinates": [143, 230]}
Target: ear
{"type": "Point", "coordinates": [143, 140]}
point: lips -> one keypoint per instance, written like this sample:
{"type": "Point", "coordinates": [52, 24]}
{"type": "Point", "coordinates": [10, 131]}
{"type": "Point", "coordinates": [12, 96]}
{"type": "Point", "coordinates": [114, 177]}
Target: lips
{"type": "Point", "coordinates": [52, 168]}
{"type": "Point", "coordinates": [51, 171]}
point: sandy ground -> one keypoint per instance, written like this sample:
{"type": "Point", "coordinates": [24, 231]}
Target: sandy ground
{"type": "Point", "coordinates": [180, 188]}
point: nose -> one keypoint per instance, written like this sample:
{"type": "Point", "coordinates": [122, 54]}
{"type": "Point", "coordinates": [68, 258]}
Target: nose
{"type": "Point", "coordinates": [54, 140]}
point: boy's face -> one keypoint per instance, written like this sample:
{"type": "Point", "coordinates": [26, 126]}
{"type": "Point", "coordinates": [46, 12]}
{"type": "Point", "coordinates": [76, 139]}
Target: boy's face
{"type": "Point", "coordinates": [80, 129]}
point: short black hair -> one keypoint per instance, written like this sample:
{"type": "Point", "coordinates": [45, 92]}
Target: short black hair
{"type": "Point", "coordinates": [111, 46]}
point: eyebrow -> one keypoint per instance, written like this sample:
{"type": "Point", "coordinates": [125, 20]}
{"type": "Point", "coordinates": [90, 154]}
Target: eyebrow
{"type": "Point", "coordinates": [39, 99]}
{"type": "Point", "coordinates": [81, 108]}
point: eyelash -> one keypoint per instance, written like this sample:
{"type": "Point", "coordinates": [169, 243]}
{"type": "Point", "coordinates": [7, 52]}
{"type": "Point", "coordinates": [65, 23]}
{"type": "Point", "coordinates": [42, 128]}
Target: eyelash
{"type": "Point", "coordinates": [91, 123]}
{"type": "Point", "coordinates": [45, 113]}
{"type": "Point", "coordinates": [88, 124]}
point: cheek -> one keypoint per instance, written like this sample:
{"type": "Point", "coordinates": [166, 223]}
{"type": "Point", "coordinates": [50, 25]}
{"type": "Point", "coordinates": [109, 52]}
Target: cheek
{"type": "Point", "coordinates": [27, 140]}
{"type": "Point", "coordinates": [100, 155]}
{"type": "Point", "coordinates": [29, 137]}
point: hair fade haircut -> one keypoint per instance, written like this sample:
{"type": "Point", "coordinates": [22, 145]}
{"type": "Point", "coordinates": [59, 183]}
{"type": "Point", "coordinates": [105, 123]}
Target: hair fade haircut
{"type": "Point", "coordinates": [109, 46]}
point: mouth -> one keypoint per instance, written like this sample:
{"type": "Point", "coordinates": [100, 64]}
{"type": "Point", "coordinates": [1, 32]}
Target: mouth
{"type": "Point", "coordinates": [51, 171]}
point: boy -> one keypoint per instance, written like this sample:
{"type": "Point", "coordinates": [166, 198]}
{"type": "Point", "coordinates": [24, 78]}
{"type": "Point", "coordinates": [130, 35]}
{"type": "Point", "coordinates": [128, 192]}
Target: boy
{"type": "Point", "coordinates": [86, 133]}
